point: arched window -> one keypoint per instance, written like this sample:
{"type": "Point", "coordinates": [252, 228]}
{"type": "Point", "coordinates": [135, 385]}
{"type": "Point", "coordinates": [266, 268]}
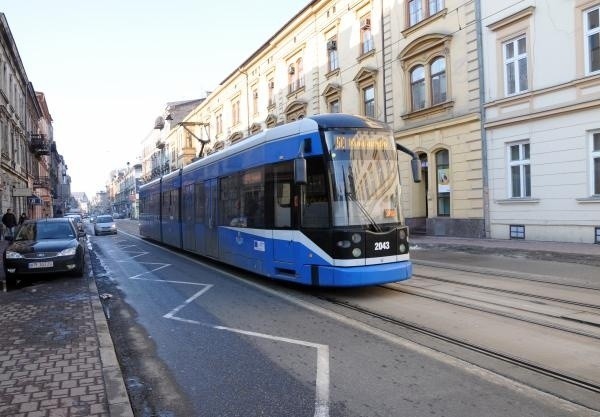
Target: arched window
{"type": "Point", "coordinates": [417, 87]}
{"type": "Point", "coordinates": [438, 80]}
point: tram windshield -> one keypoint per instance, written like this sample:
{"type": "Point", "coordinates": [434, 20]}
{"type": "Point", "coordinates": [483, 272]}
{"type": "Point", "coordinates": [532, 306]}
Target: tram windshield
{"type": "Point", "coordinates": [365, 178]}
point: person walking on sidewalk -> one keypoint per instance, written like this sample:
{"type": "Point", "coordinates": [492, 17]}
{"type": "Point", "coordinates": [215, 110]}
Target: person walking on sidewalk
{"type": "Point", "coordinates": [9, 221]}
{"type": "Point", "coordinates": [22, 218]}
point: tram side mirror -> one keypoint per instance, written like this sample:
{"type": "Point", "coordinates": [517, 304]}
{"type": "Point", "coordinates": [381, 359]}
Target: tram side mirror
{"type": "Point", "coordinates": [415, 165]}
{"type": "Point", "coordinates": [300, 171]}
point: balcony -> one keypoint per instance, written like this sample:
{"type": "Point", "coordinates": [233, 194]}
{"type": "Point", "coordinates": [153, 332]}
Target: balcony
{"type": "Point", "coordinates": [39, 145]}
{"type": "Point", "coordinates": [41, 182]}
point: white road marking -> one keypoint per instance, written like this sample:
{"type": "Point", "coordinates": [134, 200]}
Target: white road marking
{"type": "Point", "coordinates": [172, 313]}
{"type": "Point", "coordinates": [322, 377]}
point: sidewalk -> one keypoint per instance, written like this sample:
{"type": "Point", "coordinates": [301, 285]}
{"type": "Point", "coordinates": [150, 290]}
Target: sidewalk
{"type": "Point", "coordinates": [584, 253]}
{"type": "Point", "coordinates": [56, 354]}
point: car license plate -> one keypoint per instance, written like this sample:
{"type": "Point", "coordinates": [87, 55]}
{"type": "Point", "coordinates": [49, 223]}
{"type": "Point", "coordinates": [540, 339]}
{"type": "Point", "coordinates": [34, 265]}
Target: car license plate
{"type": "Point", "coordinates": [48, 264]}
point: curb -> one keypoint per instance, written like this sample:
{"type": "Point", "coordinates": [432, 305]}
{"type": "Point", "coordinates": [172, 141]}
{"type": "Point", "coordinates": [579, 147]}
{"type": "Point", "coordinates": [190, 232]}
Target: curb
{"type": "Point", "coordinates": [116, 393]}
{"type": "Point", "coordinates": [538, 254]}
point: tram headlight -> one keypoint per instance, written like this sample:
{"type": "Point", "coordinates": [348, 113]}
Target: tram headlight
{"type": "Point", "coordinates": [402, 248]}
{"type": "Point", "coordinates": [402, 234]}
{"type": "Point", "coordinates": [356, 238]}
{"type": "Point", "coordinates": [356, 252]}
{"type": "Point", "coordinates": [344, 244]}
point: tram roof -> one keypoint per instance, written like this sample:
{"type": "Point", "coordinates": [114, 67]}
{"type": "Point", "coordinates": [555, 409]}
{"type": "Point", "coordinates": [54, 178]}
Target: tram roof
{"type": "Point", "coordinates": [308, 124]}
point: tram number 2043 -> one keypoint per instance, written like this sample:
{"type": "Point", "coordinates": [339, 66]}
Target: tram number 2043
{"type": "Point", "coordinates": [382, 245]}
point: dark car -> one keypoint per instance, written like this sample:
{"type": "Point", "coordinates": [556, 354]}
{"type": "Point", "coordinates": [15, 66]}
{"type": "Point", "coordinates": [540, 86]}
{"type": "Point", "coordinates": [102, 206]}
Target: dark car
{"type": "Point", "coordinates": [45, 246]}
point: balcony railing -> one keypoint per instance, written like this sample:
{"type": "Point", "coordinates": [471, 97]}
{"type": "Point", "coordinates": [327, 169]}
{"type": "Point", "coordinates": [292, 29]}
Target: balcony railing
{"type": "Point", "coordinates": [41, 182]}
{"type": "Point", "coordinates": [39, 145]}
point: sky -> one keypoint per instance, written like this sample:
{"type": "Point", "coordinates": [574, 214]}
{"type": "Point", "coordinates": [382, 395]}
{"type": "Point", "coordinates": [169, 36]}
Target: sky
{"type": "Point", "coordinates": [108, 68]}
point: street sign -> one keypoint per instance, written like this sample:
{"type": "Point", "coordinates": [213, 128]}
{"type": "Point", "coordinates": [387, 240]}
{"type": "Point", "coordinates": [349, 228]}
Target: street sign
{"type": "Point", "coordinates": [34, 200]}
{"type": "Point", "coordinates": [21, 192]}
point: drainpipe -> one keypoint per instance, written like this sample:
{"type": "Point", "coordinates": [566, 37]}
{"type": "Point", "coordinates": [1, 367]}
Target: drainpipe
{"type": "Point", "coordinates": [383, 65]}
{"type": "Point", "coordinates": [484, 161]}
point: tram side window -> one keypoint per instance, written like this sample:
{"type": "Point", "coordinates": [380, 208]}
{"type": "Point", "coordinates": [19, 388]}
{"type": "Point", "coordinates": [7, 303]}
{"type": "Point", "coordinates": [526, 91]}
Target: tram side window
{"type": "Point", "coordinates": [200, 203]}
{"type": "Point", "coordinates": [253, 197]}
{"type": "Point", "coordinates": [188, 204]}
{"type": "Point", "coordinates": [282, 203]}
{"type": "Point", "coordinates": [315, 212]}
{"type": "Point", "coordinates": [166, 205]}
{"type": "Point", "coordinates": [229, 197]}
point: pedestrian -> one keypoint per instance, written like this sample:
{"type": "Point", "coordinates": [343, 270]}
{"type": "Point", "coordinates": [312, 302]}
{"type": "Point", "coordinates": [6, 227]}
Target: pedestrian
{"type": "Point", "coordinates": [9, 221]}
{"type": "Point", "coordinates": [22, 218]}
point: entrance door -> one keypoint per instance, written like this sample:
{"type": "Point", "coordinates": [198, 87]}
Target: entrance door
{"type": "Point", "coordinates": [212, 235]}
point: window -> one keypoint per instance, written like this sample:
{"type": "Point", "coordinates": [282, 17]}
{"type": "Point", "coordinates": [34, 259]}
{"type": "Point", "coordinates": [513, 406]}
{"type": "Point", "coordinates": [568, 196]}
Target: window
{"type": "Point", "coordinates": [595, 163]}
{"type": "Point", "coordinates": [520, 170]}
{"type": "Point", "coordinates": [295, 76]}
{"type": "Point", "coordinates": [271, 85]}
{"type": "Point", "coordinates": [300, 80]}
{"type": "Point", "coordinates": [253, 198]}
{"type": "Point", "coordinates": [254, 101]}
{"type": "Point", "coordinates": [334, 106]}
{"type": "Point", "coordinates": [369, 101]}
{"type": "Point", "coordinates": [422, 9]}
{"type": "Point", "coordinates": [219, 118]}
{"type": "Point", "coordinates": [442, 163]}
{"type": "Point", "coordinates": [438, 81]}
{"type": "Point", "coordinates": [235, 112]}
{"type": "Point", "coordinates": [517, 231]}
{"type": "Point", "coordinates": [417, 87]}
{"type": "Point", "coordinates": [415, 12]}
{"type": "Point", "coordinates": [366, 36]}
{"type": "Point", "coordinates": [332, 54]}
{"type": "Point", "coordinates": [332, 95]}
{"type": "Point", "coordinates": [591, 26]}
{"type": "Point", "coordinates": [515, 66]}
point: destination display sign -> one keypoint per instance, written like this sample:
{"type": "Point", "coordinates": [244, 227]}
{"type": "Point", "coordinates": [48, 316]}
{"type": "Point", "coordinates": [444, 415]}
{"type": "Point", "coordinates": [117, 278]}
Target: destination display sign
{"type": "Point", "coordinates": [362, 142]}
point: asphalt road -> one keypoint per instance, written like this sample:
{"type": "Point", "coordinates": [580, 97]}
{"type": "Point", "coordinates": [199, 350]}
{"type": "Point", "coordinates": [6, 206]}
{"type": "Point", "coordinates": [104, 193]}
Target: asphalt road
{"type": "Point", "coordinates": [197, 339]}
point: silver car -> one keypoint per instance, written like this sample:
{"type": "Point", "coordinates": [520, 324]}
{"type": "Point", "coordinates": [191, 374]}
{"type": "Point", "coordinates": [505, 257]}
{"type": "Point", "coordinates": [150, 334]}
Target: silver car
{"type": "Point", "coordinates": [105, 225]}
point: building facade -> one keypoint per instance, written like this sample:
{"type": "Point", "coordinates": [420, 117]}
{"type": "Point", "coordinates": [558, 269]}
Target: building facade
{"type": "Point", "coordinates": [32, 173]}
{"type": "Point", "coordinates": [542, 119]}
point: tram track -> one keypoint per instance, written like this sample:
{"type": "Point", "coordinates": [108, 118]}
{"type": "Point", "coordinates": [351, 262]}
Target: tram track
{"type": "Point", "coordinates": [546, 324]}
{"type": "Point", "coordinates": [541, 279]}
{"type": "Point", "coordinates": [512, 292]}
{"type": "Point", "coordinates": [464, 344]}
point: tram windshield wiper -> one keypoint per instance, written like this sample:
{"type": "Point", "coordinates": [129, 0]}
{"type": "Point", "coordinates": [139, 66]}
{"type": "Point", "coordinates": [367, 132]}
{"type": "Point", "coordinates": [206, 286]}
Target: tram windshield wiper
{"type": "Point", "coordinates": [351, 197]}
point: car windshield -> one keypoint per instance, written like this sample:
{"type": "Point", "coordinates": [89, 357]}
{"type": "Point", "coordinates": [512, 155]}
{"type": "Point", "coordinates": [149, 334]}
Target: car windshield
{"type": "Point", "coordinates": [45, 230]}
{"type": "Point", "coordinates": [104, 219]}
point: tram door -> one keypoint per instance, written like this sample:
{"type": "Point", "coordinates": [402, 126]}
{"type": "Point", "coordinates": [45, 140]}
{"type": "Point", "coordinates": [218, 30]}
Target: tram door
{"type": "Point", "coordinates": [212, 236]}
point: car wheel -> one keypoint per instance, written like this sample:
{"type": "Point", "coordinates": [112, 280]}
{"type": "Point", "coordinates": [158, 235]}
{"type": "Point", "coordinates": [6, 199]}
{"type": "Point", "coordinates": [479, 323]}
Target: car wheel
{"type": "Point", "coordinates": [78, 272]}
{"type": "Point", "coordinates": [11, 281]}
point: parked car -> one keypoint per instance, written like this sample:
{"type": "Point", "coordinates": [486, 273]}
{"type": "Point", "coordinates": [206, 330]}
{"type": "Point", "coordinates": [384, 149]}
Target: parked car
{"type": "Point", "coordinates": [105, 225]}
{"type": "Point", "coordinates": [42, 246]}
{"type": "Point", "coordinates": [77, 219]}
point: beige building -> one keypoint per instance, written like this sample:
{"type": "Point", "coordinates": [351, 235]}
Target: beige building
{"type": "Point", "coordinates": [542, 118]}
{"type": "Point", "coordinates": [411, 64]}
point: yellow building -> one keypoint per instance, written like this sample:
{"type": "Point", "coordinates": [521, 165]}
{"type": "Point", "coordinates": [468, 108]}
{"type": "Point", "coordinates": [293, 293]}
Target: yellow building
{"type": "Point", "coordinates": [412, 64]}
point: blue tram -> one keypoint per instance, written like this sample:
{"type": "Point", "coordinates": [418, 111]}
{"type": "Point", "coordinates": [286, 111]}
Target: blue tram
{"type": "Point", "coordinates": [315, 201]}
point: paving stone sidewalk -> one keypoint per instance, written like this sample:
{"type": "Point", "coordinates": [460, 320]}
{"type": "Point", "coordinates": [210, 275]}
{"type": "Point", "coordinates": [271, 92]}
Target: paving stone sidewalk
{"type": "Point", "coordinates": [56, 354]}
